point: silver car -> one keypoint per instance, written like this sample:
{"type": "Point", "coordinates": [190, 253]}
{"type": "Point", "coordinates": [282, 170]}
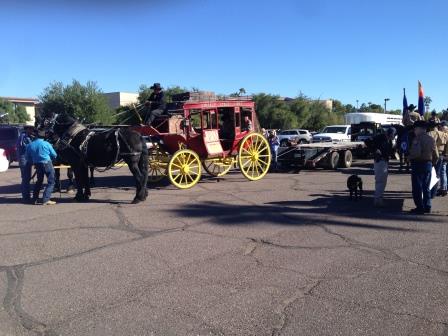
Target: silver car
{"type": "Point", "coordinates": [297, 135]}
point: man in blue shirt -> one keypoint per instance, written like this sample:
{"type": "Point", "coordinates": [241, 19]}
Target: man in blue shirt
{"type": "Point", "coordinates": [41, 153]}
{"type": "Point", "coordinates": [25, 138]}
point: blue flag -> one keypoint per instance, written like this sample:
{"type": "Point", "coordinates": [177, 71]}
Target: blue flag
{"type": "Point", "coordinates": [405, 102]}
{"type": "Point", "coordinates": [421, 97]}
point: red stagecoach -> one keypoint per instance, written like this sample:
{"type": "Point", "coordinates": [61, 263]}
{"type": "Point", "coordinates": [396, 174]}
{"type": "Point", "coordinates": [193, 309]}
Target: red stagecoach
{"type": "Point", "coordinates": [205, 133]}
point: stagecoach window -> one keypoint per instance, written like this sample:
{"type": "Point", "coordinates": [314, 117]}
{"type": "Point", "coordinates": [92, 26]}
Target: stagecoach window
{"type": "Point", "coordinates": [195, 118]}
{"type": "Point", "coordinates": [209, 119]}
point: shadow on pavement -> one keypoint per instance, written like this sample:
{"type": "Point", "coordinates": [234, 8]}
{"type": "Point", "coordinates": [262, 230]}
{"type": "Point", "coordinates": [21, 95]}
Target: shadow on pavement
{"type": "Point", "coordinates": [331, 209]}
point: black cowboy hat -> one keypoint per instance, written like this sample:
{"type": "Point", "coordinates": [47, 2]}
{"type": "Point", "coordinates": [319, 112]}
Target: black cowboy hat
{"type": "Point", "coordinates": [156, 86]}
{"type": "Point", "coordinates": [411, 107]}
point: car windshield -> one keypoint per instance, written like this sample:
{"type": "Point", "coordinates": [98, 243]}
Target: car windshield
{"type": "Point", "coordinates": [288, 133]}
{"type": "Point", "coordinates": [8, 134]}
{"type": "Point", "coordinates": [334, 129]}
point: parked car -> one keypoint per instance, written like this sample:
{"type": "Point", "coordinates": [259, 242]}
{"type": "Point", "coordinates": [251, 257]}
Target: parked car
{"type": "Point", "coordinates": [333, 133]}
{"type": "Point", "coordinates": [365, 131]}
{"type": "Point", "coordinates": [296, 135]}
{"type": "Point", "coordinates": [9, 134]}
{"type": "Point", "coordinates": [4, 163]}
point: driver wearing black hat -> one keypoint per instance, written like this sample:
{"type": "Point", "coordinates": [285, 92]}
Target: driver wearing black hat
{"type": "Point", "coordinates": [156, 103]}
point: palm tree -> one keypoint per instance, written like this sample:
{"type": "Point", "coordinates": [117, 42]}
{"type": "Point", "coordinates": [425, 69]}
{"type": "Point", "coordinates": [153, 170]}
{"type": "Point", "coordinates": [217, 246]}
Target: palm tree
{"type": "Point", "coordinates": [427, 101]}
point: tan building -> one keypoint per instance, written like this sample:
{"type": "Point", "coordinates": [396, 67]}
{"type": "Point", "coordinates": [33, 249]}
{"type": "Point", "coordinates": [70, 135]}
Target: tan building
{"type": "Point", "coordinates": [118, 99]}
{"type": "Point", "coordinates": [29, 104]}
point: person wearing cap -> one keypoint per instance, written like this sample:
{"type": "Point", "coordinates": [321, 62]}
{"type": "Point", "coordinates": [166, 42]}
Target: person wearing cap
{"type": "Point", "coordinates": [156, 103]}
{"type": "Point", "coordinates": [382, 148]}
{"type": "Point", "coordinates": [434, 119]}
{"type": "Point", "coordinates": [25, 138]}
{"type": "Point", "coordinates": [41, 154]}
{"type": "Point", "coordinates": [423, 155]}
{"type": "Point", "coordinates": [441, 139]}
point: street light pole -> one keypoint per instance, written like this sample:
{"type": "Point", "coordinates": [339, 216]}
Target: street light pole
{"type": "Point", "coordinates": [357, 107]}
{"type": "Point", "coordinates": [385, 104]}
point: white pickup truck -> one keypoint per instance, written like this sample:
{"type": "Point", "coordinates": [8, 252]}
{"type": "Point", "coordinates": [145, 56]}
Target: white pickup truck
{"type": "Point", "coordinates": [333, 133]}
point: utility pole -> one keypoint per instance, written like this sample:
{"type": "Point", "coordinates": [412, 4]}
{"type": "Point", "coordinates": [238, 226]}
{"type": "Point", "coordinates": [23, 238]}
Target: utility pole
{"type": "Point", "coordinates": [385, 104]}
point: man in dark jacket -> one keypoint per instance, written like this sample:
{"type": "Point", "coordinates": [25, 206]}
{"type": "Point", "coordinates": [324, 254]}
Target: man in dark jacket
{"type": "Point", "coordinates": [156, 103]}
{"type": "Point", "coordinates": [383, 149]}
{"type": "Point", "coordinates": [25, 138]}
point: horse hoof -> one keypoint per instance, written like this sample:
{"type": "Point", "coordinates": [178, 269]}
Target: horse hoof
{"type": "Point", "coordinates": [135, 201]}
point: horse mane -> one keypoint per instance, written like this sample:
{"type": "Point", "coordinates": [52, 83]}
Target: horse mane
{"type": "Point", "coordinates": [64, 119]}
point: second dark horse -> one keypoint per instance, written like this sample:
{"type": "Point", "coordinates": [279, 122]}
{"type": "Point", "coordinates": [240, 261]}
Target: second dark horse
{"type": "Point", "coordinates": [82, 148]}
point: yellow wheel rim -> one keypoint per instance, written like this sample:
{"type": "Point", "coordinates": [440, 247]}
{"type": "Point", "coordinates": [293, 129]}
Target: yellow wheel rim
{"type": "Point", "coordinates": [158, 161]}
{"type": "Point", "coordinates": [184, 169]}
{"type": "Point", "coordinates": [254, 156]}
{"type": "Point", "coordinates": [218, 167]}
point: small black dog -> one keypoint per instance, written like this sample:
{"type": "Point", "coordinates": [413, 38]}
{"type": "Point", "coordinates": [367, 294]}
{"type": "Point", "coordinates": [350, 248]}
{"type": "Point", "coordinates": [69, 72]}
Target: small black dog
{"type": "Point", "coordinates": [354, 185]}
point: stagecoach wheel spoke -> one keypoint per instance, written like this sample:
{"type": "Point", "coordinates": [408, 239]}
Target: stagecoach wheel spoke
{"type": "Point", "coordinates": [191, 177]}
{"type": "Point", "coordinates": [245, 150]}
{"type": "Point", "coordinates": [260, 145]}
{"type": "Point", "coordinates": [254, 156]}
{"type": "Point", "coordinates": [245, 163]}
{"type": "Point", "coordinates": [157, 167]}
{"type": "Point", "coordinates": [184, 169]}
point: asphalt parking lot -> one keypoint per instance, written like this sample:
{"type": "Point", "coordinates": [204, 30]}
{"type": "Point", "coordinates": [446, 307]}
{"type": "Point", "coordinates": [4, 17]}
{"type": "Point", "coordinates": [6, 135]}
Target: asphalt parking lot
{"type": "Point", "coordinates": [287, 255]}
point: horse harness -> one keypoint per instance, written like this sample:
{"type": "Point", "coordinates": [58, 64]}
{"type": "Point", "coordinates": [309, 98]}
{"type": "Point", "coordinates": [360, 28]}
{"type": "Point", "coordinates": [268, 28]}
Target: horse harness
{"type": "Point", "coordinates": [82, 150]}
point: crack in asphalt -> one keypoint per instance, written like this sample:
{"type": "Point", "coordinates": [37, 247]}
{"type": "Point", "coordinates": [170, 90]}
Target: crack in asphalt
{"type": "Point", "coordinates": [298, 247]}
{"type": "Point", "coordinates": [13, 305]}
{"type": "Point", "coordinates": [387, 253]}
{"type": "Point", "coordinates": [371, 307]}
{"type": "Point", "coordinates": [281, 311]}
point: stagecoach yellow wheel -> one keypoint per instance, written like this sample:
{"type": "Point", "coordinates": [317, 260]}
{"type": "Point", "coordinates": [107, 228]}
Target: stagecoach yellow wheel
{"type": "Point", "coordinates": [184, 169]}
{"type": "Point", "coordinates": [254, 156]}
{"type": "Point", "coordinates": [218, 167]}
{"type": "Point", "coordinates": [158, 161]}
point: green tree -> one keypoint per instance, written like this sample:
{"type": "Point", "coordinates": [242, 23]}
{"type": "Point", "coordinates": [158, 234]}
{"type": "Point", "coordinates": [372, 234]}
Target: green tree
{"type": "Point", "coordinates": [85, 102]}
{"type": "Point", "coordinates": [12, 113]}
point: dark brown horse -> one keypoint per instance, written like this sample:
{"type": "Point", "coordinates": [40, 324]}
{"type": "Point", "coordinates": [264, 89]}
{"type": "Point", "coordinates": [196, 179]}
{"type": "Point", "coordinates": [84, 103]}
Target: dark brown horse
{"type": "Point", "coordinates": [82, 148]}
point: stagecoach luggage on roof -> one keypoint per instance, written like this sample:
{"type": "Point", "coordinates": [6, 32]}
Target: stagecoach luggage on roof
{"type": "Point", "coordinates": [196, 96]}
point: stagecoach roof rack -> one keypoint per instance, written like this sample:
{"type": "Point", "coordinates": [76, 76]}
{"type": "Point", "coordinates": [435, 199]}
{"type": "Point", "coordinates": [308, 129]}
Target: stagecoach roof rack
{"type": "Point", "coordinates": [206, 96]}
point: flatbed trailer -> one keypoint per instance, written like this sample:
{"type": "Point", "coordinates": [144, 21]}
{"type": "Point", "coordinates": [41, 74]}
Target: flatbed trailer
{"type": "Point", "coordinates": [323, 154]}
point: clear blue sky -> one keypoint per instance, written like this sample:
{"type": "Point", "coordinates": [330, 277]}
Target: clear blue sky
{"type": "Point", "coordinates": [346, 49]}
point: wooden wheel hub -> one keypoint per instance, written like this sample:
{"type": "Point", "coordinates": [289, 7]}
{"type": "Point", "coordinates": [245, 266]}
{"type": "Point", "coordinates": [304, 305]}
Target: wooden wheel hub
{"type": "Point", "coordinates": [185, 169]}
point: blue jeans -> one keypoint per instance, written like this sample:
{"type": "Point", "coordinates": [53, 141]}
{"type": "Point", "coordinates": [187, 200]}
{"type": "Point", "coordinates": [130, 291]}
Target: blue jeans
{"type": "Point", "coordinates": [47, 170]}
{"type": "Point", "coordinates": [274, 152]}
{"type": "Point", "coordinates": [25, 173]}
{"type": "Point", "coordinates": [442, 175]}
{"type": "Point", "coordinates": [421, 177]}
